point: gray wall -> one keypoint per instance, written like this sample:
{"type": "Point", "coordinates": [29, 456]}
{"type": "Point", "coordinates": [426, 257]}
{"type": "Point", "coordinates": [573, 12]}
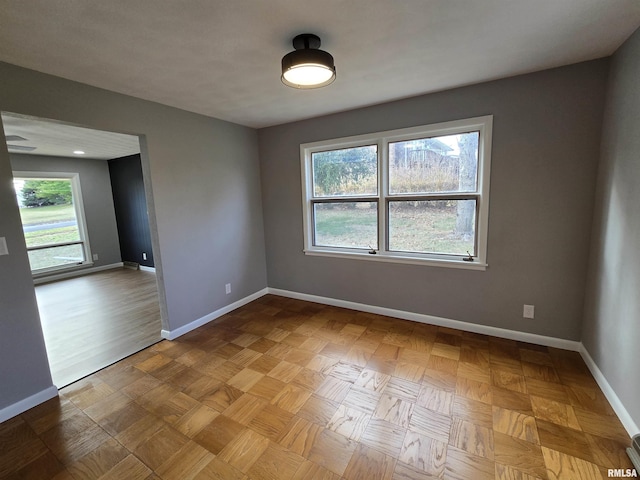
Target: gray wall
{"type": "Point", "coordinates": [203, 187]}
{"type": "Point", "coordinates": [24, 369]}
{"type": "Point", "coordinates": [546, 137]}
{"type": "Point", "coordinates": [612, 309]}
{"type": "Point", "coordinates": [96, 198]}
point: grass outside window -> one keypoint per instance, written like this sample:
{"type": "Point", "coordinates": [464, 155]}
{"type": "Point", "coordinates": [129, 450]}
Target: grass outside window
{"type": "Point", "coordinates": [413, 195]}
{"type": "Point", "coordinates": [52, 220]}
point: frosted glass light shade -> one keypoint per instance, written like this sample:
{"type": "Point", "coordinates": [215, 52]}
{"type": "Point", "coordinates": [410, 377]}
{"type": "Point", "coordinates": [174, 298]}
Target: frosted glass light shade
{"type": "Point", "coordinates": [308, 75]}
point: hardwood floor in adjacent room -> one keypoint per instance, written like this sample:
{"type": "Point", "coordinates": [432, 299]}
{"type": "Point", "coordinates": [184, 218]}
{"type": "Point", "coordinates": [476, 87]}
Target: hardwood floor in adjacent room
{"type": "Point", "coordinates": [283, 389]}
{"type": "Point", "coordinates": [92, 321]}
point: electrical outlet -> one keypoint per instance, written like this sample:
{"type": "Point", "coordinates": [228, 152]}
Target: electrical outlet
{"type": "Point", "coordinates": [227, 288]}
{"type": "Point", "coordinates": [144, 255]}
{"type": "Point", "coordinates": [528, 311]}
{"type": "Point", "coordinates": [95, 256]}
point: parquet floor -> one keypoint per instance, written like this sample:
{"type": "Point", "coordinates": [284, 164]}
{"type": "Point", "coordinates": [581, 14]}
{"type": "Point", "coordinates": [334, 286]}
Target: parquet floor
{"type": "Point", "coordinates": [283, 389]}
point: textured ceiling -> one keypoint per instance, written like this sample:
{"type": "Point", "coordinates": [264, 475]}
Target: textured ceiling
{"type": "Point", "coordinates": [222, 57]}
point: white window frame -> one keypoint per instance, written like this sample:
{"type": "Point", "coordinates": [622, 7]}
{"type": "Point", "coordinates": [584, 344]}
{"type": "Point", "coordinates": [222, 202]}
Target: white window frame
{"type": "Point", "coordinates": [483, 125]}
{"type": "Point", "coordinates": [78, 206]}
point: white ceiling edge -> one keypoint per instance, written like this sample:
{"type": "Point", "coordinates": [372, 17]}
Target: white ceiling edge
{"type": "Point", "coordinates": [57, 139]}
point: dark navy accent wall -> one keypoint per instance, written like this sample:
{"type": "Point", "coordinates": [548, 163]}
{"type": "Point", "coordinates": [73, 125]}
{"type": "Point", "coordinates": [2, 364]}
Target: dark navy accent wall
{"type": "Point", "coordinates": [131, 209]}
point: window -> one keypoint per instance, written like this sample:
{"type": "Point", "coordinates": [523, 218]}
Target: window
{"type": "Point", "coordinates": [52, 220]}
{"type": "Point", "coordinates": [417, 195]}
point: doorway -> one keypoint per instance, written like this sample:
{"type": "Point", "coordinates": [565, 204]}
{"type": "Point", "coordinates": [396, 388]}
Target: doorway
{"type": "Point", "coordinates": [93, 311]}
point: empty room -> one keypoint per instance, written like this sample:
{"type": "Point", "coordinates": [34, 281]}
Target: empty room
{"type": "Point", "coordinates": [84, 217]}
{"type": "Point", "coordinates": [391, 240]}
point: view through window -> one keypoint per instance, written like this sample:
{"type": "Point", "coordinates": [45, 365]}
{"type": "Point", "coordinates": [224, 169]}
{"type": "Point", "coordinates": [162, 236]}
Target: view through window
{"type": "Point", "coordinates": [52, 221]}
{"type": "Point", "coordinates": [417, 194]}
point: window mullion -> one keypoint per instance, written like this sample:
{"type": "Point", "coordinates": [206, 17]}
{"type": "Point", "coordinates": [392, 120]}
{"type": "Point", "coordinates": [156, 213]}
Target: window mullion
{"type": "Point", "coordinates": [54, 245]}
{"type": "Point", "coordinates": [383, 190]}
{"type": "Point", "coordinates": [363, 199]}
{"type": "Point", "coordinates": [415, 197]}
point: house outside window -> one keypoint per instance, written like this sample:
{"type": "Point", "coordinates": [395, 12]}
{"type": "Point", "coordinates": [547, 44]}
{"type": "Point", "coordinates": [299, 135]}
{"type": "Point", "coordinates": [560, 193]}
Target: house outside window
{"type": "Point", "coordinates": [416, 195]}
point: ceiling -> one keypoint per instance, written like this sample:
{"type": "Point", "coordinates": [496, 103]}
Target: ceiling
{"type": "Point", "coordinates": [221, 58]}
{"type": "Point", "coordinates": [34, 136]}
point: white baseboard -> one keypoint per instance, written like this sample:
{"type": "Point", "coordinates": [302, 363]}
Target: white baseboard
{"type": "Point", "coordinates": [439, 321]}
{"type": "Point", "coordinates": [76, 273]}
{"type": "Point", "coordinates": [620, 410]}
{"type": "Point", "coordinates": [147, 269]}
{"type": "Point", "coordinates": [612, 397]}
{"type": "Point", "coordinates": [27, 403]}
{"type": "Point", "coordinates": [629, 424]}
{"type": "Point", "coordinates": [173, 334]}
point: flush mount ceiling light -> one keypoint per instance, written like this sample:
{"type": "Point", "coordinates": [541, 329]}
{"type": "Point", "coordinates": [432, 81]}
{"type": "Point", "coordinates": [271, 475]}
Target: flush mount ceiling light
{"type": "Point", "coordinates": [307, 66]}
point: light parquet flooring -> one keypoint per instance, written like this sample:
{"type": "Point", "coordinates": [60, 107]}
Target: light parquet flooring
{"type": "Point", "coordinates": [92, 321]}
{"type": "Point", "coordinates": [283, 389]}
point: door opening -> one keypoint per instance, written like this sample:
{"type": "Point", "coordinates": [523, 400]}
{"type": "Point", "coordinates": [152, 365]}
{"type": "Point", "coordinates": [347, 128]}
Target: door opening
{"type": "Point", "coordinates": [93, 311]}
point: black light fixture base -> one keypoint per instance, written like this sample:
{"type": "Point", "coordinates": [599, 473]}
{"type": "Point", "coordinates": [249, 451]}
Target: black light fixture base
{"type": "Point", "coordinates": [306, 41]}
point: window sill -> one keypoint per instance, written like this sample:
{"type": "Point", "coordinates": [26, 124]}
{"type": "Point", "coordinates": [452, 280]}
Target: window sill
{"type": "Point", "coordinates": [428, 262]}
{"type": "Point", "coordinates": [46, 272]}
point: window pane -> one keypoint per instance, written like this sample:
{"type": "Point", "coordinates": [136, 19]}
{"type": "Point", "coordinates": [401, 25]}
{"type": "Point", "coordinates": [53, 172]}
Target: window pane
{"type": "Point", "coordinates": [437, 164]}
{"type": "Point", "coordinates": [46, 234]}
{"type": "Point", "coordinates": [48, 218]}
{"type": "Point", "coordinates": [437, 226]}
{"type": "Point", "coordinates": [56, 256]}
{"type": "Point", "coordinates": [350, 171]}
{"type": "Point", "coordinates": [348, 224]}
{"type": "Point", "coordinates": [47, 211]}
